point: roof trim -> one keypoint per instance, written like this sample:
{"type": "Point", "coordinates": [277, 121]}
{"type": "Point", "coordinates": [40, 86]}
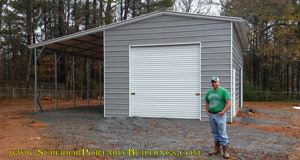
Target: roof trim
{"type": "Point", "coordinates": [223, 18]}
{"type": "Point", "coordinates": [240, 28]}
{"type": "Point", "coordinates": [140, 18]}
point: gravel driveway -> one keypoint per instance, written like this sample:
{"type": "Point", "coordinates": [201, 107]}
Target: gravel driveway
{"type": "Point", "coordinates": [85, 127]}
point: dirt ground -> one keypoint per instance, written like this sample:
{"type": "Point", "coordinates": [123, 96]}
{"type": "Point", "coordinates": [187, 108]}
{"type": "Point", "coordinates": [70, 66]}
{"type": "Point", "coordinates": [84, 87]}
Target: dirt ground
{"type": "Point", "coordinates": [69, 129]}
{"type": "Point", "coordinates": [20, 132]}
{"type": "Point", "coordinates": [292, 130]}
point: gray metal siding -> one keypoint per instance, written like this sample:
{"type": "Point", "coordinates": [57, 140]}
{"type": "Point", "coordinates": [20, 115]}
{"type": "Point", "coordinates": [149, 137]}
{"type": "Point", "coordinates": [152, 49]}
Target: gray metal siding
{"type": "Point", "coordinates": [215, 38]}
{"type": "Point", "coordinates": [237, 64]}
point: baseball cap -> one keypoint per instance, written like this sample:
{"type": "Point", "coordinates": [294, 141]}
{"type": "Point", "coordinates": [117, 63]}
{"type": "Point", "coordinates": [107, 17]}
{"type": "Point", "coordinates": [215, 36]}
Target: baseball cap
{"type": "Point", "coordinates": [215, 79]}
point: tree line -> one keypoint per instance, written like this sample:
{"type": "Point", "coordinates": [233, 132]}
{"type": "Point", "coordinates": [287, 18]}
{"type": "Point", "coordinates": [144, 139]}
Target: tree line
{"type": "Point", "coordinates": [273, 31]}
{"type": "Point", "coordinates": [272, 62]}
{"type": "Point", "coordinates": [25, 22]}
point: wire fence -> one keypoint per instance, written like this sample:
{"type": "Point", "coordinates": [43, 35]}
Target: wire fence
{"type": "Point", "coordinates": [267, 96]}
{"type": "Point", "coordinates": [17, 93]}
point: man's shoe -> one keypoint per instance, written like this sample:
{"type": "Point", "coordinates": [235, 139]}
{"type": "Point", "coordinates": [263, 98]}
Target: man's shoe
{"type": "Point", "coordinates": [225, 152]}
{"type": "Point", "coordinates": [216, 150]}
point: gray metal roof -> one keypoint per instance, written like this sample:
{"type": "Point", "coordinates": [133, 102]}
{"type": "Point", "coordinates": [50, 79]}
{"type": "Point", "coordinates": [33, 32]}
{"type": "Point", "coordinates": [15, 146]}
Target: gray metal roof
{"type": "Point", "coordinates": [90, 42]}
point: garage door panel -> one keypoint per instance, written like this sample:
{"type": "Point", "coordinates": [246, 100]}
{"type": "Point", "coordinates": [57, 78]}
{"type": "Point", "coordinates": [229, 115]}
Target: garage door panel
{"type": "Point", "coordinates": [165, 80]}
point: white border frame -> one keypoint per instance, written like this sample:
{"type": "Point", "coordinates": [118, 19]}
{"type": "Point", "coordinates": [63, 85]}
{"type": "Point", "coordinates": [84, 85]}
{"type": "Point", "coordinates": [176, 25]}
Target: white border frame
{"type": "Point", "coordinates": [234, 92]}
{"type": "Point", "coordinates": [164, 44]}
{"type": "Point", "coordinates": [231, 89]}
{"type": "Point", "coordinates": [241, 85]}
{"type": "Point", "coordinates": [129, 94]}
{"type": "Point", "coordinates": [104, 71]}
{"type": "Point", "coordinates": [200, 82]}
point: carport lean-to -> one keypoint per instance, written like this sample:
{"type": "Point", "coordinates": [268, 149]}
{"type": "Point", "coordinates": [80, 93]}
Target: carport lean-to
{"type": "Point", "coordinates": [89, 46]}
{"type": "Point", "coordinates": [160, 64]}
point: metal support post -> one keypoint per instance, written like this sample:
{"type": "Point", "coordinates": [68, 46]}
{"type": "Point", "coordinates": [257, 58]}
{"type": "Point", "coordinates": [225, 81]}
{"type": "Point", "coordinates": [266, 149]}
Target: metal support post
{"type": "Point", "coordinates": [88, 83]}
{"type": "Point", "coordinates": [100, 82]}
{"type": "Point", "coordinates": [36, 101]}
{"type": "Point", "coordinates": [73, 68]}
{"type": "Point", "coordinates": [40, 106]}
{"type": "Point", "coordinates": [56, 99]}
{"type": "Point", "coordinates": [35, 81]}
{"type": "Point", "coordinates": [55, 81]}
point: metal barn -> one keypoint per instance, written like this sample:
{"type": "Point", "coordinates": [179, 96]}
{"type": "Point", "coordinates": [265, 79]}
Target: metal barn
{"type": "Point", "coordinates": [159, 65]}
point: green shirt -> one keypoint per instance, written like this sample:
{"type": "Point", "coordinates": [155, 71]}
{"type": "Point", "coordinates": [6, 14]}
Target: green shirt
{"type": "Point", "coordinates": [216, 99]}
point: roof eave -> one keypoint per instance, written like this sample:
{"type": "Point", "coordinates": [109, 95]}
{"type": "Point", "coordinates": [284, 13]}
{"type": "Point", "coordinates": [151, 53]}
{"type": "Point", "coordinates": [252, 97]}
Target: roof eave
{"type": "Point", "coordinates": [140, 18]}
{"type": "Point", "coordinates": [222, 18]}
{"type": "Point", "coordinates": [242, 33]}
{"type": "Point", "coordinates": [94, 30]}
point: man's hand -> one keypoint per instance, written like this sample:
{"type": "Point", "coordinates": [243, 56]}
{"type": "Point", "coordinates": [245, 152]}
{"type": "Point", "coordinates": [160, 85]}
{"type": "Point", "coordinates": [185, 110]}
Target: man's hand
{"type": "Point", "coordinates": [228, 104]}
{"type": "Point", "coordinates": [206, 107]}
{"type": "Point", "coordinates": [221, 113]}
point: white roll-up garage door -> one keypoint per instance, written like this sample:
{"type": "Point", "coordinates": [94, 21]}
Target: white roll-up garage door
{"type": "Point", "coordinates": [165, 81]}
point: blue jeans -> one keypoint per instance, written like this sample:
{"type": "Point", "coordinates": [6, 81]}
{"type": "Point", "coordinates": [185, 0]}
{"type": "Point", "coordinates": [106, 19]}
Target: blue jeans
{"type": "Point", "coordinates": [218, 128]}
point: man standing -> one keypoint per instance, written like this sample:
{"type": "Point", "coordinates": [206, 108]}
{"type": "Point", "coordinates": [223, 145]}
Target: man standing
{"type": "Point", "coordinates": [218, 101]}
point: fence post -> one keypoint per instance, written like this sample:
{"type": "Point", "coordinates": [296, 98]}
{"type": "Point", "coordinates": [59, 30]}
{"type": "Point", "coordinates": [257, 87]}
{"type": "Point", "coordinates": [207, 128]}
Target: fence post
{"type": "Point", "coordinates": [267, 96]}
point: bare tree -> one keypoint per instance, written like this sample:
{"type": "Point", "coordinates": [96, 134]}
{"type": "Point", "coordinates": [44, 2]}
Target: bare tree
{"type": "Point", "coordinates": [29, 36]}
{"type": "Point", "coordinates": [2, 2]}
{"type": "Point", "coordinates": [194, 6]}
{"type": "Point", "coordinates": [87, 14]}
{"type": "Point", "coordinates": [94, 13]}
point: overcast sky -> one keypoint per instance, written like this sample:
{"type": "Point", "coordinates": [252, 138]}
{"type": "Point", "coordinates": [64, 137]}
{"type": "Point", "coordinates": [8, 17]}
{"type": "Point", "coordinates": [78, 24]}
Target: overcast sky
{"type": "Point", "coordinates": [216, 9]}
